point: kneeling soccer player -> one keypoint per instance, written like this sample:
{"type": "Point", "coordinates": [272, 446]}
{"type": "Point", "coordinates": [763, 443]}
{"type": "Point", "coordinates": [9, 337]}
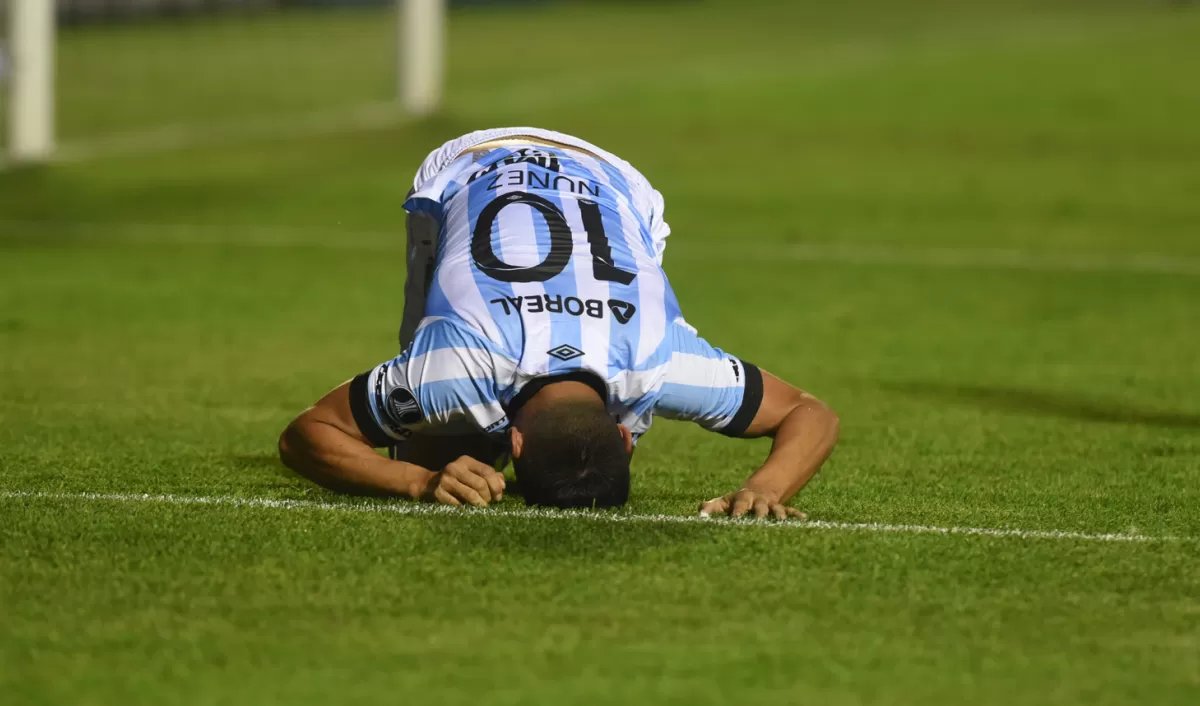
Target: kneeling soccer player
{"type": "Point", "coordinates": [538, 322]}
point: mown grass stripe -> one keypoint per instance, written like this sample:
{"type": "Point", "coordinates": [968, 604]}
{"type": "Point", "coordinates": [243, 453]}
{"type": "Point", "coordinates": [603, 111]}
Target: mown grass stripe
{"type": "Point", "coordinates": [407, 508]}
{"type": "Point", "coordinates": [850, 254]}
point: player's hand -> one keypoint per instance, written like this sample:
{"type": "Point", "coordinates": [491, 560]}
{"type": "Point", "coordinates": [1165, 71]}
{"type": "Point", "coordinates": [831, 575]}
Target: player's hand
{"type": "Point", "coordinates": [466, 480]}
{"type": "Point", "coordinates": [746, 501]}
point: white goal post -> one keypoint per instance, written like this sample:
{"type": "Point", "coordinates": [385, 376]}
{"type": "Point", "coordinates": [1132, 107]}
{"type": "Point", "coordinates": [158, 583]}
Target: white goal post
{"type": "Point", "coordinates": [421, 40]}
{"type": "Point", "coordinates": [27, 69]}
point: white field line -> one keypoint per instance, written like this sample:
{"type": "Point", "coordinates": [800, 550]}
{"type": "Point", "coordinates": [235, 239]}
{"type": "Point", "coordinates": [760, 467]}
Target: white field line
{"type": "Point", "coordinates": [358, 118]}
{"type": "Point", "coordinates": [854, 254]}
{"type": "Point", "coordinates": [416, 509]}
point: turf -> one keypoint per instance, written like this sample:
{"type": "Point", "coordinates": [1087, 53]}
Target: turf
{"type": "Point", "coordinates": [972, 228]}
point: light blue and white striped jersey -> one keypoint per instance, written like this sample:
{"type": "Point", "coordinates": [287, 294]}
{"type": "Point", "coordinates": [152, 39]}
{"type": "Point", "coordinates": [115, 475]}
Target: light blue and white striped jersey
{"type": "Point", "coordinates": [548, 264]}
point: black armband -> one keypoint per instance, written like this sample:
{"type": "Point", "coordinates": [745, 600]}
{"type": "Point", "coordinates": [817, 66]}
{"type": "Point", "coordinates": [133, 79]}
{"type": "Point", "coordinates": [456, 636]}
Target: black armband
{"type": "Point", "coordinates": [751, 400]}
{"type": "Point", "coordinates": [360, 408]}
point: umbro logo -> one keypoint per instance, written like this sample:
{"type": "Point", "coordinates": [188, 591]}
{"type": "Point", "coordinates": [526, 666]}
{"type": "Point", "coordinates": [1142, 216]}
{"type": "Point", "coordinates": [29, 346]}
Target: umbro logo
{"type": "Point", "coordinates": [565, 352]}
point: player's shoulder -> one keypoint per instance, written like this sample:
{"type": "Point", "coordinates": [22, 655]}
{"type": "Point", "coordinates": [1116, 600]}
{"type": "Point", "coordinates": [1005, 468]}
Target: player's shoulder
{"type": "Point", "coordinates": [439, 330]}
{"type": "Point", "coordinates": [443, 340]}
{"type": "Point", "coordinates": [449, 379]}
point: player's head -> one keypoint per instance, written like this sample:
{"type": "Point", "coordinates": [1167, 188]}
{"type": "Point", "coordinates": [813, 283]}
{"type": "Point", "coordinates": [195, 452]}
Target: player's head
{"type": "Point", "coordinates": [572, 454]}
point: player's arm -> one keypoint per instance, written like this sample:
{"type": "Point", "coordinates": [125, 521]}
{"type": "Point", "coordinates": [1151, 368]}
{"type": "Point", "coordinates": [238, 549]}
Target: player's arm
{"type": "Point", "coordinates": [326, 445]}
{"type": "Point", "coordinates": [804, 432]}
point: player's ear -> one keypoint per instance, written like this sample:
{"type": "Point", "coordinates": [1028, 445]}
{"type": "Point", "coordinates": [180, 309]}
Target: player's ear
{"type": "Point", "coordinates": [627, 436]}
{"type": "Point", "coordinates": [514, 436]}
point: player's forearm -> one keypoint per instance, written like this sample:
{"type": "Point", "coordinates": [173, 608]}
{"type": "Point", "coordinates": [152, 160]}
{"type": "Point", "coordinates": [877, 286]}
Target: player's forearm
{"type": "Point", "coordinates": [803, 441]}
{"type": "Point", "coordinates": [333, 459]}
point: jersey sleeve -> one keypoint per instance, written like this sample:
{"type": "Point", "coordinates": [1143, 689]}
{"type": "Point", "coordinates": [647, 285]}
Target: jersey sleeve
{"type": "Point", "coordinates": [443, 383]}
{"type": "Point", "coordinates": [429, 193]}
{"type": "Point", "coordinates": [708, 386]}
{"type": "Point", "coordinates": [659, 230]}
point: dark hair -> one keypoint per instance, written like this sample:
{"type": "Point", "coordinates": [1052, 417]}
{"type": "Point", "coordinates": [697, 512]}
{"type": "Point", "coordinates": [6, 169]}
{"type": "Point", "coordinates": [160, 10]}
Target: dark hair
{"type": "Point", "coordinates": [573, 455]}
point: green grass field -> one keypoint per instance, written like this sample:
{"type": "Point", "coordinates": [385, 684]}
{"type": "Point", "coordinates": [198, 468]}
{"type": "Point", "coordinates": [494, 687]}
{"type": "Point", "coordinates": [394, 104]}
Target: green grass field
{"type": "Point", "coordinates": [973, 228]}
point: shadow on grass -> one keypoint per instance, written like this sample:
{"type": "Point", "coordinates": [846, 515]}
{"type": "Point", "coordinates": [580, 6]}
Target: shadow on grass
{"type": "Point", "coordinates": [1048, 404]}
{"type": "Point", "coordinates": [264, 463]}
{"type": "Point", "coordinates": [569, 541]}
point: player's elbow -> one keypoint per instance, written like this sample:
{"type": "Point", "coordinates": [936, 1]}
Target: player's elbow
{"type": "Point", "coordinates": [291, 441]}
{"type": "Point", "coordinates": [825, 411]}
{"type": "Point", "coordinates": [833, 423]}
{"type": "Point", "coordinates": [820, 413]}
{"type": "Point", "coordinates": [285, 446]}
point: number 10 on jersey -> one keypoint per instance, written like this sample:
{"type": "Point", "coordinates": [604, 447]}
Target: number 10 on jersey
{"type": "Point", "coordinates": [556, 260]}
